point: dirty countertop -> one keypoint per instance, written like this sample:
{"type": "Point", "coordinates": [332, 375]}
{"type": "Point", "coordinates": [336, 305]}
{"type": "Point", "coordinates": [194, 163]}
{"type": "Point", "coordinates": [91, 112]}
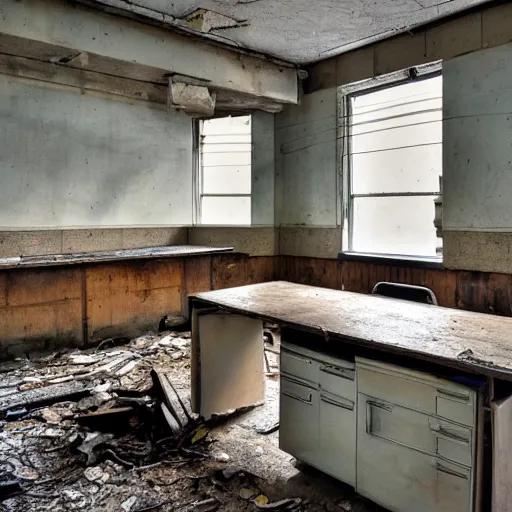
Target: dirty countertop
{"type": "Point", "coordinates": [473, 342]}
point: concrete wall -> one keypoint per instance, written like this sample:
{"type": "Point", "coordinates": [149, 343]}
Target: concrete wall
{"type": "Point", "coordinates": [488, 27]}
{"type": "Point", "coordinates": [306, 190]}
{"type": "Point", "coordinates": [263, 169]}
{"type": "Point", "coordinates": [81, 160]}
{"type": "Point", "coordinates": [477, 156]}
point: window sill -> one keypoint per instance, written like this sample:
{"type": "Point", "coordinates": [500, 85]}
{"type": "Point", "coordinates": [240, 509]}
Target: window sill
{"type": "Point", "coordinates": [392, 260]}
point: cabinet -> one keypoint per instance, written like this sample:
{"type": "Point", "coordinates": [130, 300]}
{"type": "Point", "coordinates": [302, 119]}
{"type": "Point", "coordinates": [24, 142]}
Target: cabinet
{"type": "Point", "coordinates": [414, 451]}
{"type": "Point", "coordinates": [298, 431]}
{"type": "Point", "coordinates": [404, 439]}
{"type": "Point", "coordinates": [317, 416]}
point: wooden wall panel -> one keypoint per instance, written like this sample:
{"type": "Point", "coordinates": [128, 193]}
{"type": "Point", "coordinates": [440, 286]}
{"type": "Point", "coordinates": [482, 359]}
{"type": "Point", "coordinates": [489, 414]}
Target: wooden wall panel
{"type": "Point", "coordinates": [362, 277]}
{"type": "Point", "coordinates": [474, 291]}
{"type": "Point", "coordinates": [124, 299]}
{"type": "Point", "coordinates": [44, 307]}
{"type": "Point", "coordinates": [486, 293]}
{"type": "Point", "coordinates": [312, 271]}
{"type": "Point", "coordinates": [39, 306]}
{"type": "Point", "coordinates": [229, 270]}
{"type": "Point", "coordinates": [261, 269]}
{"type": "Point", "coordinates": [3, 289]}
{"type": "Point", "coordinates": [198, 278]}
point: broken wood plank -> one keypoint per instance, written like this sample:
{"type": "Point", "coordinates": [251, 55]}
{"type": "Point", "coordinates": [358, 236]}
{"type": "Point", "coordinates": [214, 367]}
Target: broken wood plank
{"type": "Point", "coordinates": [171, 398]}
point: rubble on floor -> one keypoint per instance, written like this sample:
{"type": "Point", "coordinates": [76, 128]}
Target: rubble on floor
{"type": "Point", "coordinates": [111, 429]}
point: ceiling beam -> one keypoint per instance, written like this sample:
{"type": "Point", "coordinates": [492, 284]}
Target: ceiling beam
{"type": "Point", "coordinates": [95, 38]}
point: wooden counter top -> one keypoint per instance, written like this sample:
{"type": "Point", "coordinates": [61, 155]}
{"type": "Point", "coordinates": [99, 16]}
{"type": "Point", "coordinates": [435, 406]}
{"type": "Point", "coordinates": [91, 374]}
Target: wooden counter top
{"type": "Point", "coordinates": [473, 342]}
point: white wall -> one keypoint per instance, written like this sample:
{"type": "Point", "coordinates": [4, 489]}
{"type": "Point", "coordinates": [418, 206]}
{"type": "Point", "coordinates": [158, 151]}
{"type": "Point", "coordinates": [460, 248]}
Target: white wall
{"type": "Point", "coordinates": [305, 145]}
{"type": "Point", "coordinates": [477, 141]}
{"type": "Point", "coordinates": [72, 160]}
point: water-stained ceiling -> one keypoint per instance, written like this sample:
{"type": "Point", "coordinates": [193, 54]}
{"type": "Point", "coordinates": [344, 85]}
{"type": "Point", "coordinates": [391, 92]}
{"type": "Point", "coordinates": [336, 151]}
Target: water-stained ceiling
{"type": "Point", "coordinates": [300, 31]}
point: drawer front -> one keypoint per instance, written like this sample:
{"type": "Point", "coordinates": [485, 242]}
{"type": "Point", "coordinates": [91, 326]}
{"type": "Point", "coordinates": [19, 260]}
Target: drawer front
{"type": "Point", "coordinates": [299, 365]}
{"type": "Point", "coordinates": [405, 480]}
{"type": "Point", "coordinates": [337, 378]}
{"type": "Point", "coordinates": [298, 429]}
{"type": "Point", "coordinates": [337, 456]}
{"type": "Point", "coordinates": [418, 431]}
{"type": "Point", "coordinates": [397, 464]}
{"type": "Point", "coordinates": [418, 391]}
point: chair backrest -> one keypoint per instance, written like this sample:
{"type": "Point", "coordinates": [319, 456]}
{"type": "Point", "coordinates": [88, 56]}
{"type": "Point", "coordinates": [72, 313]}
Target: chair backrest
{"type": "Point", "coordinates": [405, 292]}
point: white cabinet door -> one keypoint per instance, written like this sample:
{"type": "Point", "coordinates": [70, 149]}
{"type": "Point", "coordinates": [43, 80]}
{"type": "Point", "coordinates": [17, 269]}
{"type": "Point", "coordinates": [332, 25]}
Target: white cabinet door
{"type": "Point", "coordinates": [337, 454]}
{"type": "Point", "coordinates": [397, 463]}
{"type": "Point", "coordinates": [298, 429]}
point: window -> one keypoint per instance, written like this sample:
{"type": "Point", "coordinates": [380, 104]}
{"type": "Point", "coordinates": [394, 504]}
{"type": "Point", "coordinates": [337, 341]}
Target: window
{"type": "Point", "coordinates": [225, 171]}
{"type": "Point", "coordinates": [395, 164]}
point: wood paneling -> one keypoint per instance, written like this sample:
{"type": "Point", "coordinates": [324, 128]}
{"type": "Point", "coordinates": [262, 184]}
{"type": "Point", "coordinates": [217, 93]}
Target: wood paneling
{"type": "Point", "coordinates": [315, 272]}
{"type": "Point", "coordinates": [486, 293]}
{"type": "Point", "coordinates": [44, 306]}
{"type": "Point", "coordinates": [39, 306]}
{"type": "Point", "coordinates": [474, 291]}
{"type": "Point", "coordinates": [126, 298]}
{"type": "Point", "coordinates": [362, 277]}
{"type": "Point", "coordinates": [198, 278]}
{"type": "Point", "coordinates": [42, 286]}
{"type": "Point", "coordinates": [229, 270]}
{"type": "Point", "coordinates": [261, 269]}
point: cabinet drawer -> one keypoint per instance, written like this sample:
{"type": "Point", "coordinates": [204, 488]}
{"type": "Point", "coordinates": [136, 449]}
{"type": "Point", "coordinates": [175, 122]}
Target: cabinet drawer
{"type": "Point", "coordinates": [299, 412]}
{"type": "Point", "coordinates": [337, 378]}
{"type": "Point", "coordinates": [405, 480]}
{"type": "Point", "coordinates": [417, 390]}
{"type": "Point", "coordinates": [299, 364]}
{"type": "Point", "coordinates": [337, 455]}
{"type": "Point", "coordinates": [417, 431]}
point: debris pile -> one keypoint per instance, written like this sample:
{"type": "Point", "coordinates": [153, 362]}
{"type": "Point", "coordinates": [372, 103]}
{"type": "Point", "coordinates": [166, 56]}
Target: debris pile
{"type": "Point", "coordinates": [111, 429]}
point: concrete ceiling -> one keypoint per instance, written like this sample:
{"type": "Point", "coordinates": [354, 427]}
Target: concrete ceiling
{"type": "Point", "coordinates": [301, 31]}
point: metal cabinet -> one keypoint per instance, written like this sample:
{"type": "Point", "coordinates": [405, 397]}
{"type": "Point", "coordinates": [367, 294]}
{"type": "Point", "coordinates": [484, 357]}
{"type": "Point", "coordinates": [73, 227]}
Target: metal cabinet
{"type": "Point", "coordinates": [317, 417]}
{"type": "Point", "coordinates": [337, 450]}
{"type": "Point", "coordinates": [410, 456]}
{"type": "Point", "coordinates": [298, 429]}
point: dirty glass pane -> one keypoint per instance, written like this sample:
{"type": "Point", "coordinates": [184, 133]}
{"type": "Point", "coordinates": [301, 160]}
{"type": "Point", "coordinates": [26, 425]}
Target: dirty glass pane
{"type": "Point", "coordinates": [227, 180]}
{"type": "Point", "coordinates": [226, 210]}
{"type": "Point", "coordinates": [415, 169]}
{"type": "Point", "coordinates": [394, 225]}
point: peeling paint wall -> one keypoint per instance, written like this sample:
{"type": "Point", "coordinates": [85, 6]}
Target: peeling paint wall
{"type": "Point", "coordinates": [78, 160]}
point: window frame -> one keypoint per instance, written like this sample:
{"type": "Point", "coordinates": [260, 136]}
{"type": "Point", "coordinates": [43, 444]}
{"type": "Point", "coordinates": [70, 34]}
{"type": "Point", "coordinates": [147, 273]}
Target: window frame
{"type": "Point", "coordinates": [344, 116]}
{"type": "Point", "coordinates": [198, 180]}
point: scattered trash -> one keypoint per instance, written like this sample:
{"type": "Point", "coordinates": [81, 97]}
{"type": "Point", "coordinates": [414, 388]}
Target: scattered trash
{"type": "Point", "coordinates": [268, 430]}
{"type": "Point", "coordinates": [221, 457]}
{"type": "Point", "coordinates": [129, 503]}
{"type": "Point", "coordinates": [51, 416]}
{"type": "Point", "coordinates": [26, 473]}
{"type": "Point", "coordinates": [96, 474]}
{"type": "Point", "coordinates": [260, 500]}
{"type": "Point", "coordinates": [249, 494]}
{"type": "Point", "coordinates": [199, 435]}
{"type": "Point", "coordinates": [111, 428]}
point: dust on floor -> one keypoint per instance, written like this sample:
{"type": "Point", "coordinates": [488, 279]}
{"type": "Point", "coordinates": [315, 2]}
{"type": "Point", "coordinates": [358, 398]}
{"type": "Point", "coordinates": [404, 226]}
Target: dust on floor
{"type": "Point", "coordinates": [84, 430]}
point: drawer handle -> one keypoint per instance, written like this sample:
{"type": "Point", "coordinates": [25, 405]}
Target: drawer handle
{"type": "Point", "coordinates": [297, 357]}
{"type": "Point", "coordinates": [454, 395]}
{"type": "Point", "coordinates": [338, 371]}
{"type": "Point", "coordinates": [377, 405]}
{"type": "Point", "coordinates": [348, 405]}
{"type": "Point", "coordinates": [308, 400]}
{"type": "Point", "coordinates": [450, 471]}
{"type": "Point", "coordinates": [449, 434]}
